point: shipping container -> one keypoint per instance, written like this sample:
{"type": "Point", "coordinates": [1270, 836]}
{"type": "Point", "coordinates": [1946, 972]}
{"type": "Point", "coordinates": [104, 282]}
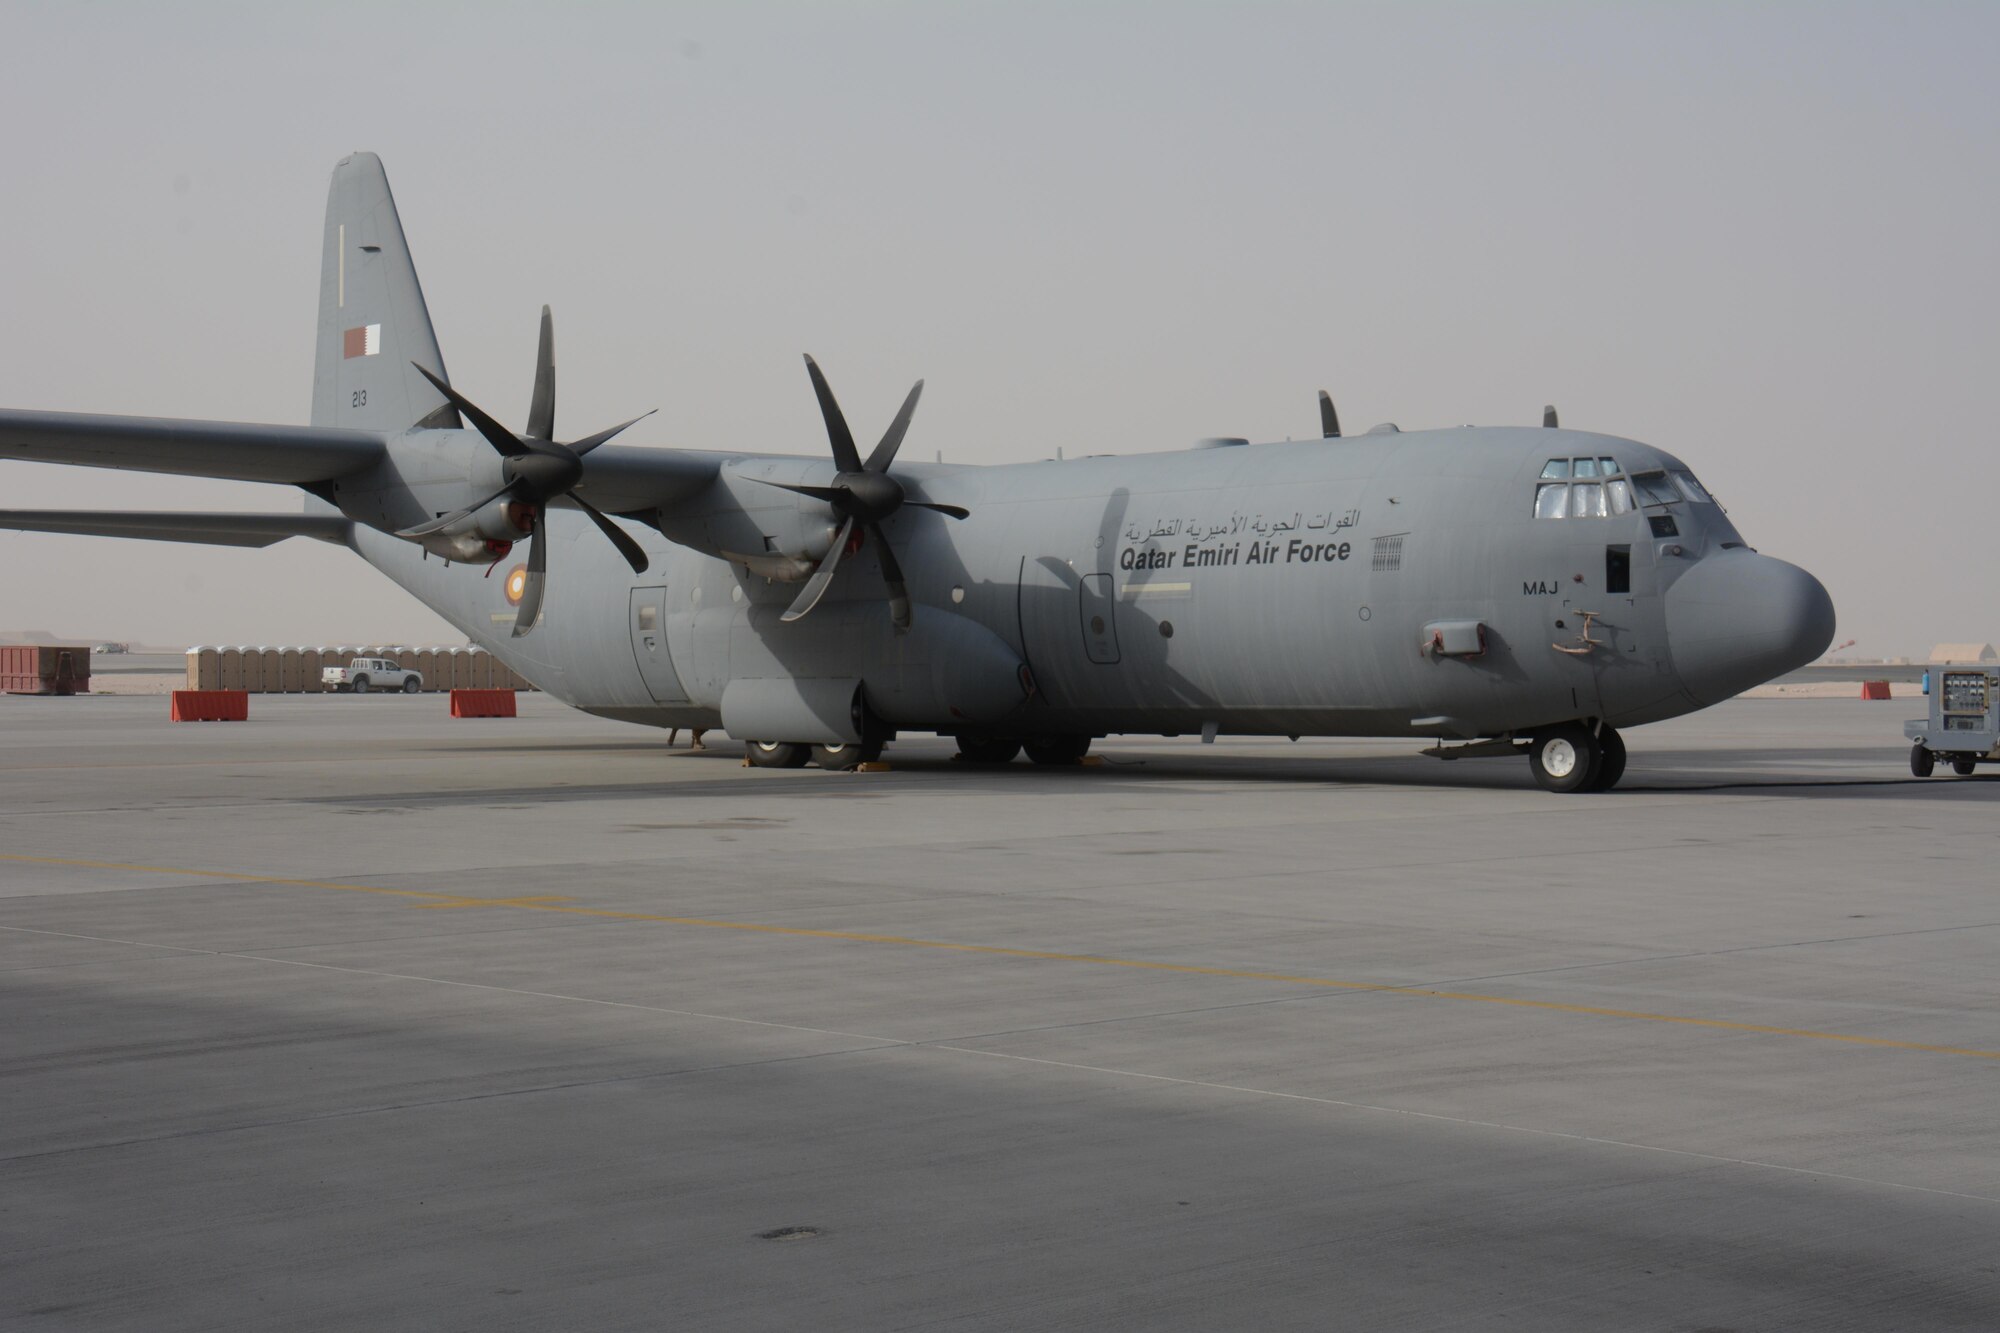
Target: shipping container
{"type": "Point", "coordinates": [36, 668]}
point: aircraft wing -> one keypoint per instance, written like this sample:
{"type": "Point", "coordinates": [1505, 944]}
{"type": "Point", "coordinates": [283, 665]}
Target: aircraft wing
{"type": "Point", "coordinates": [219, 529]}
{"type": "Point", "coordinates": [633, 479]}
{"type": "Point", "coordinates": [295, 455]}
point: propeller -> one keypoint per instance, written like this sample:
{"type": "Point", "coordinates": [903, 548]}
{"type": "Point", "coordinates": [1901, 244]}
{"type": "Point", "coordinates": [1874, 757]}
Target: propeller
{"type": "Point", "coordinates": [1549, 417]}
{"type": "Point", "coordinates": [1329, 420]}
{"type": "Point", "coordinates": [861, 496]}
{"type": "Point", "coordinates": [538, 469]}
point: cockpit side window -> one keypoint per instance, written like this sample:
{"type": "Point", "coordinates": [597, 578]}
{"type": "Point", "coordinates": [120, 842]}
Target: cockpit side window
{"type": "Point", "coordinates": [1585, 467]}
{"type": "Point", "coordinates": [1692, 488]}
{"type": "Point", "coordinates": [1587, 500]}
{"type": "Point", "coordinates": [1654, 488]}
{"type": "Point", "coordinates": [1551, 500]}
{"type": "Point", "coordinates": [1556, 469]}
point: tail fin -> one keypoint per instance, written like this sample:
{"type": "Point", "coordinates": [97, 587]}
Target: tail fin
{"type": "Point", "coordinates": [372, 318]}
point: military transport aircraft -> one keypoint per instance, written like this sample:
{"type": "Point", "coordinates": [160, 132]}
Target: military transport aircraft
{"type": "Point", "coordinates": [1503, 590]}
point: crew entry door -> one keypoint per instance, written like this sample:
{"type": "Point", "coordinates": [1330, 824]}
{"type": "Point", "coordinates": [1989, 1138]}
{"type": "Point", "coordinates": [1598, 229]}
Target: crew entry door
{"type": "Point", "coordinates": [649, 646]}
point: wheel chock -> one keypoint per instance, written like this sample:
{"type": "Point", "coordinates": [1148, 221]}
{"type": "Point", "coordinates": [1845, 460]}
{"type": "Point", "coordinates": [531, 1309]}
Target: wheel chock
{"type": "Point", "coordinates": [1091, 761]}
{"type": "Point", "coordinates": [874, 766]}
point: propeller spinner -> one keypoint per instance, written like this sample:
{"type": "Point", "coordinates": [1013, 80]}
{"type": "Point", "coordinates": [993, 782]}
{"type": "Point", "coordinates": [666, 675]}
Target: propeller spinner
{"type": "Point", "coordinates": [862, 495]}
{"type": "Point", "coordinates": [538, 470]}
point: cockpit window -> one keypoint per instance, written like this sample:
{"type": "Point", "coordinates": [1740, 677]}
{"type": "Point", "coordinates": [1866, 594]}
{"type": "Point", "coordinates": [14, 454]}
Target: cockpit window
{"type": "Point", "coordinates": [1692, 488]}
{"type": "Point", "coordinates": [1654, 488]}
{"type": "Point", "coordinates": [1599, 489]}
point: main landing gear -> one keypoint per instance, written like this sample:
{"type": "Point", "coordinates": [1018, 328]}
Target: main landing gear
{"type": "Point", "coordinates": [1576, 757]}
{"type": "Point", "coordinates": [989, 750]}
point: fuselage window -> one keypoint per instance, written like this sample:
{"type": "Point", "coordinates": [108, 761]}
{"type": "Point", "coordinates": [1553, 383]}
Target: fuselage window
{"type": "Point", "coordinates": [1587, 499]}
{"type": "Point", "coordinates": [1556, 469]}
{"type": "Point", "coordinates": [1550, 501]}
{"type": "Point", "coordinates": [1692, 488]}
{"type": "Point", "coordinates": [1654, 488]}
{"type": "Point", "coordinates": [1663, 525]}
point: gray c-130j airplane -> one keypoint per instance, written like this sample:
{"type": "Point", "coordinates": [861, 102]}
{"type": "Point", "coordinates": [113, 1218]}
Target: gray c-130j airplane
{"type": "Point", "coordinates": [1500, 589]}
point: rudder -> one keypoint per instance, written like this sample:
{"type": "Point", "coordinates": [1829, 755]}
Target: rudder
{"type": "Point", "coordinates": [372, 319]}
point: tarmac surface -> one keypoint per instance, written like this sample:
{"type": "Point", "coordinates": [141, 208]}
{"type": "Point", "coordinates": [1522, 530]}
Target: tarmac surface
{"type": "Point", "coordinates": [353, 1016]}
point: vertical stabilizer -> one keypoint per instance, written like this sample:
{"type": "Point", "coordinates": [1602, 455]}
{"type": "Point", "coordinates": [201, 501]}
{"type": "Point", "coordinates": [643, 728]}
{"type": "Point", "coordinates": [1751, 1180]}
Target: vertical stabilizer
{"type": "Point", "coordinates": [372, 318]}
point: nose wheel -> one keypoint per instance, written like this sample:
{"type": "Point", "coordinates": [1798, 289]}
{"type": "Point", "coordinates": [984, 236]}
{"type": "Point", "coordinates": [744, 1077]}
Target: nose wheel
{"type": "Point", "coordinates": [1574, 757]}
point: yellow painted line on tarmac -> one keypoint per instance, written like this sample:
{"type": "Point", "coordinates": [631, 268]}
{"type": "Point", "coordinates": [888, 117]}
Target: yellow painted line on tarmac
{"type": "Point", "coordinates": [566, 907]}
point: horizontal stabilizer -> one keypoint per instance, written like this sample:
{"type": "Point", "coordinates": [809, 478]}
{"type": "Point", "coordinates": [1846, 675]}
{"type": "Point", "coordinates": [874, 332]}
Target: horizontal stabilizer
{"type": "Point", "coordinates": [222, 529]}
{"type": "Point", "coordinates": [294, 455]}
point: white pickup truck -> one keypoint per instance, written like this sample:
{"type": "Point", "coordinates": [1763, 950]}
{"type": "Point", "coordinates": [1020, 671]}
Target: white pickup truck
{"type": "Point", "coordinates": [370, 673]}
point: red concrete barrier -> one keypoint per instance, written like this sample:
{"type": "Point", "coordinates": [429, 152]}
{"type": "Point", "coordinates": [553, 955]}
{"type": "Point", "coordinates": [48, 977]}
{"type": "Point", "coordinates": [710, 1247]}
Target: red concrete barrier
{"type": "Point", "coordinates": [211, 706]}
{"type": "Point", "coordinates": [1874, 689]}
{"type": "Point", "coordinates": [482, 703]}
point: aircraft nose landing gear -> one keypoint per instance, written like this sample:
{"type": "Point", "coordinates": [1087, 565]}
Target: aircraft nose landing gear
{"type": "Point", "coordinates": [1575, 757]}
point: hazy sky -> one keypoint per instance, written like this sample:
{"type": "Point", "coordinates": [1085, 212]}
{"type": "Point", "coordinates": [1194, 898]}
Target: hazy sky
{"type": "Point", "coordinates": [1759, 236]}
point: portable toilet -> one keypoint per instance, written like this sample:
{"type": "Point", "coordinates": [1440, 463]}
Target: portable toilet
{"type": "Point", "coordinates": [229, 668]}
{"type": "Point", "coordinates": [309, 670]}
{"type": "Point", "coordinates": [274, 670]}
{"type": "Point", "coordinates": [201, 669]}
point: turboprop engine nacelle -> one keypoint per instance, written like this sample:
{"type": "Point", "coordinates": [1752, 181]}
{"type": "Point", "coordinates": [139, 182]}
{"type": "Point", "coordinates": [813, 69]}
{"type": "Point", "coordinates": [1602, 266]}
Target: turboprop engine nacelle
{"type": "Point", "coordinates": [484, 536]}
{"type": "Point", "coordinates": [773, 533]}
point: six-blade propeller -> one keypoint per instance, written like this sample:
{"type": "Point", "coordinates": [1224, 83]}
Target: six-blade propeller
{"type": "Point", "coordinates": [538, 470]}
{"type": "Point", "coordinates": [861, 496]}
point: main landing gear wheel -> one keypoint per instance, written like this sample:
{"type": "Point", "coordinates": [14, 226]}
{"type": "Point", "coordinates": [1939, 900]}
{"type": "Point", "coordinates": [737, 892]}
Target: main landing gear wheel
{"type": "Point", "coordinates": [776, 754]}
{"type": "Point", "coordinates": [1566, 758]}
{"type": "Point", "coordinates": [1058, 749]}
{"type": "Point", "coordinates": [411, 685]}
{"type": "Point", "coordinates": [1922, 761]}
{"type": "Point", "coordinates": [987, 749]}
{"type": "Point", "coordinates": [846, 756]}
{"type": "Point", "coordinates": [1612, 767]}
{"type": "Point", "coordinates": [1965, 768]}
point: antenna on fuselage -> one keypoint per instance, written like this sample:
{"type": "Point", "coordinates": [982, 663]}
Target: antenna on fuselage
{"type": "Point", "coordinates": [1329, 420]}
{"type": "Point", "coordinates": [1549, 417]}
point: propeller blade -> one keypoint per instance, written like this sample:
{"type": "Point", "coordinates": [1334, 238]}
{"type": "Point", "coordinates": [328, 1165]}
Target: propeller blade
{"type": "Point", "coordinates": [892, 574]}
{"type": "Point", "coordinates": [892, 438]}
{"type": "Point", "coordinates": [1329, 420]}
{"type": "Point", "coordinates": [542, 407]}
{"type": "Point", "coordinates": [440, 524]}
{"type": "Point", "coordinates": [634, 554]}
{"type": "Point", "coordinates": [496, 434]}
{"type": "Point", "coordinates": [822, 578]}
{"type": "Point", "coordinates": [584, 446]}
{"type": "Point", "coordinates": [949, 511]}
{"type": "Point", "coordinates": [830, 494]}
{"type": "Point", "coordinates": [1549, 417]}
{"type": "Point", "coordinates": [845, 456]}
{"type": "Point", "coordinates": [529, 613]}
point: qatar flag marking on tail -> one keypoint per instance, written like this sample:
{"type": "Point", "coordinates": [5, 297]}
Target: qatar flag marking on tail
{"type": "Point", "coordinates": [364, 341]}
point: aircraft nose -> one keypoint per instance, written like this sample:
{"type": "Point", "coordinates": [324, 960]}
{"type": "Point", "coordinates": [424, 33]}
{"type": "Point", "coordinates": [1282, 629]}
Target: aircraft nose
{"type": "Point", "coordinates": [1738, 619]}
